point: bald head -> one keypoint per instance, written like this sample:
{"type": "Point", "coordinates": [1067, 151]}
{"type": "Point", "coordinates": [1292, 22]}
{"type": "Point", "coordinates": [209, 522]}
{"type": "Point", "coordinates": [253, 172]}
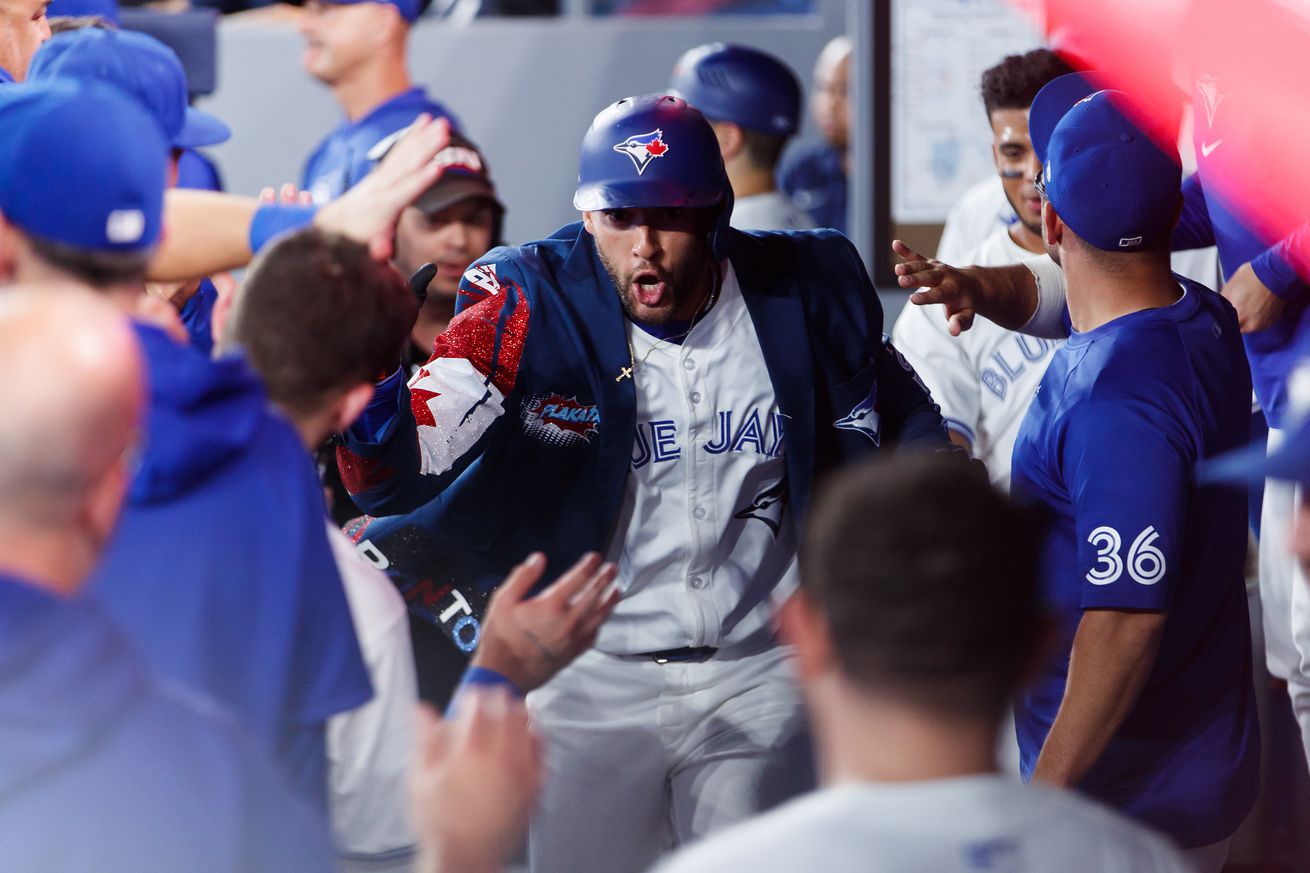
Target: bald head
{"type": "Point", "coordinates": [72, 386]}
{"type": "Point", "coordinates": [830, 104]}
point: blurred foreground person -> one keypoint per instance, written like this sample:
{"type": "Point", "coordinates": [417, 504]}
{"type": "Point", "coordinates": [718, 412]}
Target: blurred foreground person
{"type": "Point", "coordinates": [219, 569]}
{"type": "Point", "coordinates": [101, 767]}
{"type": "Point", "coordinates": [918, 631]}
{"type": "Point", "coordinates": [318, 368]}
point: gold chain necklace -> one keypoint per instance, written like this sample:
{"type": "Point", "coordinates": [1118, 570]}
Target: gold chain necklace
{"type": "Point", "coordinates": [634, 364]}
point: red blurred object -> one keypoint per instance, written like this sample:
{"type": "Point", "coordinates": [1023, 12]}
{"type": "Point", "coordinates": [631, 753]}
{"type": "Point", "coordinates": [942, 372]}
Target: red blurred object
{"type": "Point", "coordinates": [1244, 64]}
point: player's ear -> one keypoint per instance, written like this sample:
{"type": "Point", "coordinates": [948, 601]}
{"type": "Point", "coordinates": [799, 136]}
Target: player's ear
{"type": "Point", "coordinates": [587, 223]}
{"type": "Point", "coordinates": [730, 137]}
{"type": "Point", "coordinates": [801, 625]}
{"type": "Point", "coordinates": [1052, 226]}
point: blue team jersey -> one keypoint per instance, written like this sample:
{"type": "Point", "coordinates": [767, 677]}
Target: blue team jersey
{"type": "Point", "coordinates": [1209, 219]}
{"type": "Point", "coordinates": [341, 160]}
{"type": "Point", "coordinates": [220, 571]}
{"type": "Point", "coordinates": [812, 176]}
{"type": "Point", "coordinates": [1109, 447]}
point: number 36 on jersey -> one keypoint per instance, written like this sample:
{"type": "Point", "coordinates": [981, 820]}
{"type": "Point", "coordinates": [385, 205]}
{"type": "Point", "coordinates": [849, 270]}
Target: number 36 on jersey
{"type": "Point", "coordinates": [1144, 563]}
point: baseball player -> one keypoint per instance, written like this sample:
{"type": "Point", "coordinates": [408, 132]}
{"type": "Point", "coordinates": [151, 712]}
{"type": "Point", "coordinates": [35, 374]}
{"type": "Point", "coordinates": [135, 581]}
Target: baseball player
{"type": "Point", "coordinates": [813, 174]}
{"type": "Point", "coordinates": [457, 220]}
{"type": "Point", "coordinates": [984, 380]}
{"type": "Point", "coordinates": [1263, 282]}
{"type": "Point", "coordinates": [1153, 709]}
{"type": "Point", "coordinates": [908, 665]}
{"type": "Point", "coordinates": [149, 71]}
{"type": "Point", "coordinates": [357, 48]}
{"type": "Point", "coordinates": [654, 385]}
{"type": "Point", "coordinates": [753, 102]}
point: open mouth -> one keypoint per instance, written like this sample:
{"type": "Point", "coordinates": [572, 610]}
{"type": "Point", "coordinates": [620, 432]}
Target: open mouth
{"type": "Point", "coordinates": [648, 288]}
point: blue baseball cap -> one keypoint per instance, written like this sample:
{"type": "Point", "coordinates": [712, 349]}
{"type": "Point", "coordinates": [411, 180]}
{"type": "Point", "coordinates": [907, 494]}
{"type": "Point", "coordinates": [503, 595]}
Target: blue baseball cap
{"type": "Point", "coordinates": [408, 9]}
{"type": "Point", "coordinates": [140, 65]}
{"type": "Point", "coordinates": [81, 164]}
{"type": "Point", "coordinates": [741, 85]}
{"type": "Point", "coordinates": [1107, 178]}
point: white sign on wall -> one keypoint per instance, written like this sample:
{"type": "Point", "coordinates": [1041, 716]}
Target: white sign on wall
{"type": "Point", "coordinates": [941, 143]}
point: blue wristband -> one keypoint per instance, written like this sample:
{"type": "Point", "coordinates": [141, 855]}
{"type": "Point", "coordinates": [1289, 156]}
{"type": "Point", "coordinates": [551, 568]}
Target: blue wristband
{"type": "Point", "coordinates": [273, 219]}
{"type": "Point", "coordinates": [480, 677]}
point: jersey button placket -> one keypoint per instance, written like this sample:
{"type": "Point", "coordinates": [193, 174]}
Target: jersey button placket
{"type": "Point", "coordinates": [699, 479]}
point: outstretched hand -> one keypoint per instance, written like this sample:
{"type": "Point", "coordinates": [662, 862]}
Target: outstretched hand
{"type": "Point", "coordinates": [368, 212]}
{"type": "Point", "coordinates": [530, 639]}
{"type": "Point", "coordinates": [476, 780]}
{"type": "Point", "coordinates": [941, 283]}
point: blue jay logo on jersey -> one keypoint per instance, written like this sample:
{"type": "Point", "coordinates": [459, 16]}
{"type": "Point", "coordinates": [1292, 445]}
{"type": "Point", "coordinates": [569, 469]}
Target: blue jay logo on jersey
{"type": "Point", "coordinates": [864, 418]}
{"type": "Point", "coordinates": [644, 148]}
{"type": "Point", "coordinates": [768, 506]}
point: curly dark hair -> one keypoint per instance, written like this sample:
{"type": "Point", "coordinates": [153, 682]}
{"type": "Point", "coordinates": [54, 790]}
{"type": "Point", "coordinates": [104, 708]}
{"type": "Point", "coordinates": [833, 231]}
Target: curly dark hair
{"type": "Point", "coordinates": [1015, 81]}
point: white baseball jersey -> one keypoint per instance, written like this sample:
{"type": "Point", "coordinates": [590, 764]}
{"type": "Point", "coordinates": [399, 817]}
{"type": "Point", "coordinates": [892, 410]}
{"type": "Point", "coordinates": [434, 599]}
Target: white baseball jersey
{"type": "Point", "coordinates": [974, 217]}
{"type": "Point", "coordinates": [962, 825]}
{"type": "Point", "coordinates": [370, 750]}
{"type": "Point", "coordinates": [771, 211]}
{"type": "Point", "coordinates": [984, 379]}
{"type": "Point", "coordinates": [704, 541]}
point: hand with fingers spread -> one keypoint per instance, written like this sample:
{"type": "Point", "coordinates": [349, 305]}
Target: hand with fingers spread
{"type": "Point", "coordinates": [938, 283]}
{"type": "Point", "coordinates": [530, 639]}
{"type": "Point", "coordinates": [1007, 295]}
{"type": "Point", "coordinates": [368, 212]}
{"type": "Point", "coordinates": [476, 780]}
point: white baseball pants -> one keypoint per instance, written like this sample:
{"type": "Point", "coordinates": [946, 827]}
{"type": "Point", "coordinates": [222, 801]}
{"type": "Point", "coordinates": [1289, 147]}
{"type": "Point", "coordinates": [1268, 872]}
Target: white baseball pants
{"type": "Point", "coordinates": [642, 757]}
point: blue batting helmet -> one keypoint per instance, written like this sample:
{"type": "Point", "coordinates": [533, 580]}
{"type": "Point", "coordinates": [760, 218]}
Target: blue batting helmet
{"type": "Point", "coordinates": [742, 85]}
{"type": "Point", "coordinates": [649, 151]}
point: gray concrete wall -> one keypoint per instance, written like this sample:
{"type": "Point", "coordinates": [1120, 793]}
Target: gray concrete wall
{"type": "Point", "coordinates": [525, 89]}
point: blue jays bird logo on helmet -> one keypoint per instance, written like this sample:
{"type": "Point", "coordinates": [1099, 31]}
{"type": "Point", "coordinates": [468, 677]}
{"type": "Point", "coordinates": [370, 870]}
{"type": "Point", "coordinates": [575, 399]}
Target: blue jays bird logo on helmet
{"type": "Point", "coordinates": [644, 148]}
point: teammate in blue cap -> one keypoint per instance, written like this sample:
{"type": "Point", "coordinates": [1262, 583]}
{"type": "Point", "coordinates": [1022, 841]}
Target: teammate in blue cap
{"type": "Point", "coordinates": [152, 73]}
{"type": "Point", "coordinates": [1265, 281]}
{"type": "Point", "coordinates": [220, 570]}
{"type": "Point", "coordinates": [1152, 710]}
{"type": "Point", "coordinates": [753, 102]}
{"type": "Point", "coordinates": [357, 48]}
{"type": "Point", "coordinates": [656, 386]}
